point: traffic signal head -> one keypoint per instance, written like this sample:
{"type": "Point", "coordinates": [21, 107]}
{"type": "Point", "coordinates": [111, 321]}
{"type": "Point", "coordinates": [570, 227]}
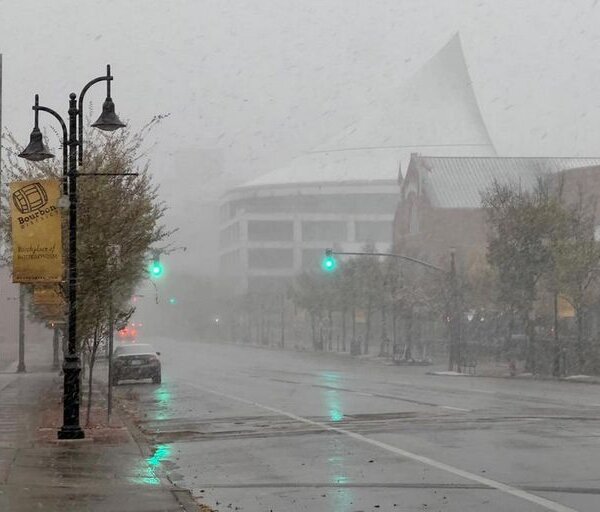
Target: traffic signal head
{"type": "Point", "coordinates": [156, 268]}
{"type": "Point", "coordinates": [329, 262]}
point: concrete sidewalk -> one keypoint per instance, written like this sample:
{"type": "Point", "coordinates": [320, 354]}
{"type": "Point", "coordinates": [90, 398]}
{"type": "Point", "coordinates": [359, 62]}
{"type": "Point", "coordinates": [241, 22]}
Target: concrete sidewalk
{"type": "Point", "coordinates": [106, 472]}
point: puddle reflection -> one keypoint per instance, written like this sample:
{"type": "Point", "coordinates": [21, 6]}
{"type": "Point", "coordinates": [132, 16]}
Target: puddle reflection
{"type": "Point", "coordinates": [149, 468]}
{"type": "Point", "coordinates": [342, 498]}
{"type": "Point", "coordinates": [163, 398]}
{"type": "Point", "coordinates": [332, 397]}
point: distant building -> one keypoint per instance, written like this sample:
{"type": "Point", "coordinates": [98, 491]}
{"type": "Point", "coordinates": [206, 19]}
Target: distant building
{"type": "Point", "coordinates": [344, 193]}
{"type": "Point", "coordinates": [440, 198]}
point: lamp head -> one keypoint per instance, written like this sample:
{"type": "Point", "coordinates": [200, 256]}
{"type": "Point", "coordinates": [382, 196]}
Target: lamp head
{"type": "Point", "coordinates": [36, 150]}
{"type": "Point", "coordinates": [108, 120]}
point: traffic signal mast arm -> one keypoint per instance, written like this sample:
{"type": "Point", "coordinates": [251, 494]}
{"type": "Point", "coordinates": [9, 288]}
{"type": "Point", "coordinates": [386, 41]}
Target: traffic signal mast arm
{"type": "Point", "coordinates": [389, 254]}
{"type": "Point", "coordinates": [454, 352]}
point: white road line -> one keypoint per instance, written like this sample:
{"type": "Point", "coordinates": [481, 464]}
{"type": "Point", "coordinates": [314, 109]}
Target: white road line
{"type": "Point", "coordinates": [493, 484]}
{"type": "Point", "coordinates": [454, 408]}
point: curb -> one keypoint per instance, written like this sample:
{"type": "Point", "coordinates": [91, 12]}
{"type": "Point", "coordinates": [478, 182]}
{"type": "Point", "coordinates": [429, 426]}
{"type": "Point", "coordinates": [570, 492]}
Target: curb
{"type": "Point", "coordinates": [182, 496]}
{"type": "Point", "coordinates": [593, 380]}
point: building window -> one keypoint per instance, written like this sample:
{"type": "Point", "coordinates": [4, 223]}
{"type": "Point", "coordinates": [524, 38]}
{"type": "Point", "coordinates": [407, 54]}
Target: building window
{"type": "Point", "coordinates": [317, 203]}
{"type": "Point", "coordinates": [270, 258]}
{"type": "Point", "coordinates": [270, 231]}
{"type": "Point", "coordinates": [373, 231]}
{"type": "Point", "coordinates": [324, 231]}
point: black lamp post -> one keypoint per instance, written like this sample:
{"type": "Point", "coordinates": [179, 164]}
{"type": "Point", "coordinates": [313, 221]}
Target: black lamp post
{"type": "Point", "coordinates": [36, 151]}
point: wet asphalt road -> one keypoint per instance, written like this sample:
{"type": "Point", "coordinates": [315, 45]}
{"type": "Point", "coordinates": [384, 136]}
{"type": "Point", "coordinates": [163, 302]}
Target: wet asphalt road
{"type": "Point", "coordinates": [258, 430]}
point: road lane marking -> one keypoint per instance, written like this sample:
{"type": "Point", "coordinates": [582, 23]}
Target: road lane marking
{"type": "Point", "coordinates": [454, 408]}
{"type": "Point", "coordinates": [493, 484]}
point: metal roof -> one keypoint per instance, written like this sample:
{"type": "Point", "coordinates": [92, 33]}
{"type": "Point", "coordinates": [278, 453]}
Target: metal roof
{"type": "Point", "coordinates": [457, 182]}
{"type": "Point", "coordinates": [434, 111]}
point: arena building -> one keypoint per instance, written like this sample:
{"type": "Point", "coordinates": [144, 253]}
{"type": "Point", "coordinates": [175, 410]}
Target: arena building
{"type": "Point", "coordinates": [344, 193]}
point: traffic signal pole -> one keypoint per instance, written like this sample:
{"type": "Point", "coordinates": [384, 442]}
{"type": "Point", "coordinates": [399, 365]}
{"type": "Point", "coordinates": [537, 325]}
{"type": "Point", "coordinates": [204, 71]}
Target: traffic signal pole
{"type": "Point", "coordinates": [454, 340]}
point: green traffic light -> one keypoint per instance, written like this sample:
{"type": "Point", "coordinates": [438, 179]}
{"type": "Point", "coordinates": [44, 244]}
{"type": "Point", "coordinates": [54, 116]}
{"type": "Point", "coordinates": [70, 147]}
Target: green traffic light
{"type": "Point", "coordinates": [329, 263]}
{"type": "Point", "coordinates": [172, 300]}
{"type": "Point", "coordinates": [156, 269]}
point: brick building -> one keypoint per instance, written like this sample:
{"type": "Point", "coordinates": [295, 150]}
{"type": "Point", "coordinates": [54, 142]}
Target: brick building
{"type": "Point", "coordinates": [440, 198]}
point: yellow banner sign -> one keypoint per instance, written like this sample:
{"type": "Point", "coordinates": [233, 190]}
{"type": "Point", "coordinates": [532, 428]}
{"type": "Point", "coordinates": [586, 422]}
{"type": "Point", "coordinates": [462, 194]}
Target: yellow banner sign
{"type": "Point", "coordinates": [47, 295]}
{"type": "Point", "coordinates": [53, 312]}
{"type": "Point", "coordinates": [36, 231]}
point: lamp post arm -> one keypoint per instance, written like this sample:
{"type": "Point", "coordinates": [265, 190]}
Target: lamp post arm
{"type": "Point", "coordinates": [107, 78]}
{"type": "Point", "coordinates": [65, 141]}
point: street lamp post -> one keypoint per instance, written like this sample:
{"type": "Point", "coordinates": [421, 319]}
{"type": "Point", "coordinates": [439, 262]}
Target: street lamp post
{"type": "Point", "coordinates": [21, 366]}
{"type": "Point", "coordinates": [36, 151]}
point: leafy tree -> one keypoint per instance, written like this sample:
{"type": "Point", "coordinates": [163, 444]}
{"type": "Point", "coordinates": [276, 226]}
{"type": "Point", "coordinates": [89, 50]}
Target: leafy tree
{"type": "Point", "coordinates": [523, 227]}
{"type": "Point", "coordinates": [122, 211]}
{"type": "Point", "coordinates": [577, 259]}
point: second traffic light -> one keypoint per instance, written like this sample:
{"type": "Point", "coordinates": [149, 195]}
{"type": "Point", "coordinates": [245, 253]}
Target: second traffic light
{"type": "Point", "coordinates": [329, 263]}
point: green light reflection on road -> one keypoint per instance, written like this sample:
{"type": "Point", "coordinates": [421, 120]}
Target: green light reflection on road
{"type": "Point", "coordinates": [332, 400]}
{"type": "Point", "coordinates": [151, 464]}
{"type": "Point", "coordinates": [161, 453]}
{"type": "Point", "coordinates": [162, 395]}
{"type": "Point", "coordinates": [163, 399]}
{"type": "Point", "coordinates": [334, 406]}
{"type": "Point", "coordinates": [341, 500]}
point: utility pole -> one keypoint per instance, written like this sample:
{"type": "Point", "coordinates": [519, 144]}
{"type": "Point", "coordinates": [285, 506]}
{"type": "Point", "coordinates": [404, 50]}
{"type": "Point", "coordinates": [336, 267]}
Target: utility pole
{"type": "Point", "coordinates": [21, 366]}
{"type": "Point", "coordinates": [113, 261]}
{"type": "Point", "coordinates": [454, 349]}
{"type": "Point", "coordinates": [55, 339]}
{"type": "Point", "coordinates": [557, 351]}
{"type": "Point", "coordinates": [111, 327]}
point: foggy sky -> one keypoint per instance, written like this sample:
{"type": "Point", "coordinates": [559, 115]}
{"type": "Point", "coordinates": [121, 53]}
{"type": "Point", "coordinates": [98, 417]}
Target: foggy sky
{"type": "Point", "coordinates": [261, 81]}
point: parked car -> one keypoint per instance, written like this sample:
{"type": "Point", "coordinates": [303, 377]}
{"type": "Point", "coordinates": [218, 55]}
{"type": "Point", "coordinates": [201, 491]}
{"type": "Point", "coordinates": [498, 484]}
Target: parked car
{"type": "Point", "coordinates": [136, 361]}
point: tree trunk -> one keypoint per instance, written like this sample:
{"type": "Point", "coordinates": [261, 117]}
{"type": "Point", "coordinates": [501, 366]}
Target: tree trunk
{"type": "Point", "coordinates": [556, 359]}
{"type": "Point", "coordinates": [367, 329]}
{"type": "Point", "coordinates": [282, 339]}
{"type": "Point", "coordinates": [581, 345]}
{"type": "Point", "coordinates": [343, 330]}
{"type": "Point", "coordinates": [530, 331]}
{"type": "Point", "coordinates": [384, 339]}
{"type": "Point", "coordinates": [409, 333]}
{"type": "Point", "coordinates": [394, 335]}
{"type": "Point", "coordinates": [329, 330]}
{"type": "Point", "coordinates": [509, 333]}
{"type": "Point", "coordinates": [91, 374]}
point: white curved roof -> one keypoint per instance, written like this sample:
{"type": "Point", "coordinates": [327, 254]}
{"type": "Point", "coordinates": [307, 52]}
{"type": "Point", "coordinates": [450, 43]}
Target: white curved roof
{"type": "Point", "coordinates": [435, 112]}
